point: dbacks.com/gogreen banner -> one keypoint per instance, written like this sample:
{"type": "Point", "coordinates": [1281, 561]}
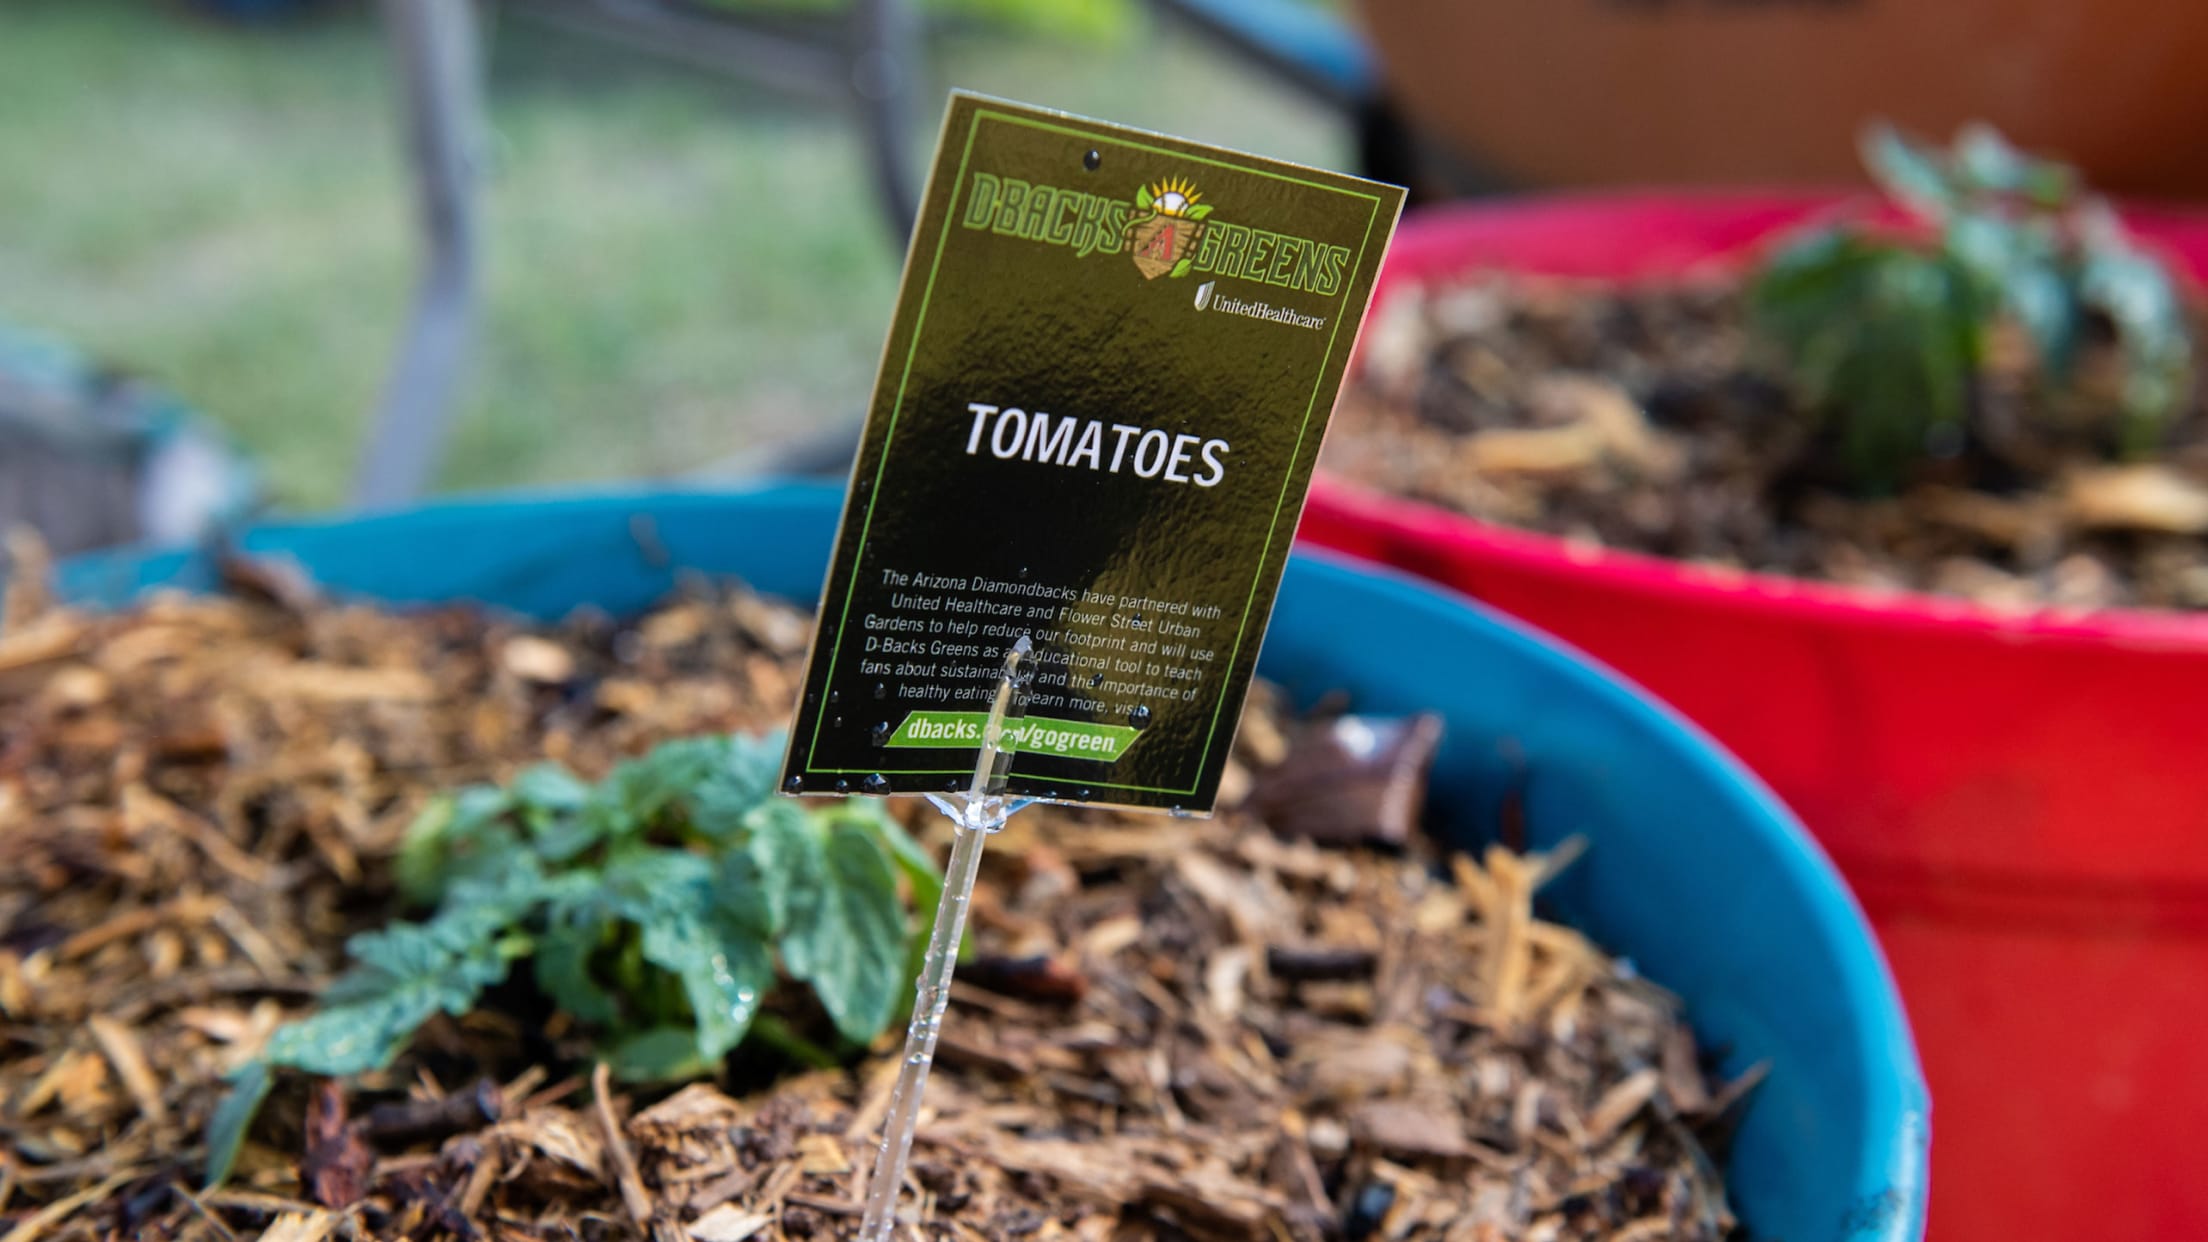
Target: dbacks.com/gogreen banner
{"type": "Point", "coordinates": [1067, 739]}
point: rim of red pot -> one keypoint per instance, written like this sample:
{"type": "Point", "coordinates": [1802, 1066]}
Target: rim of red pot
{"type": "Point", "coordinates": [1640, 236]}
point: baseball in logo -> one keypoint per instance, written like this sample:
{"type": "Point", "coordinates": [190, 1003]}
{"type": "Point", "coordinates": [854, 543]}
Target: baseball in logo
{"type": "Point", "coordinates": [1163, 236]}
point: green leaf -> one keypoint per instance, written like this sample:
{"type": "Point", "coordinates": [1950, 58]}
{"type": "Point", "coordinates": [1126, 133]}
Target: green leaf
{"type": "Point", "coordinates": [561, 967]}
{"type": "Point", "coordinates": [1181, 268]}
{"type": "Point", "coordinates": [790, 868]}
{"type": "Point", "coordinates": [550, 787]}
{"type": "Point", "coordinates": [850, 944]}
{"type": "Point", "coordinates": [226, 1130]}
{"type": "Point", "coordinates": [1143, 200]}
{"type": "Point", "coordinates": [406, 973]}
{"type": "Point", "coordinates": [1883, 338]}
{"type": "Point", "coordinates": [913, 861]}
{"type": "Point", "coordinates": [420, 864]}
{"type": "Point", "coordinates": [563, 838]}
{"type": "Point", "coordinates": [1910, 173]}
{"type": "Point", "coordinates": [662, 1054]}
{"type": "Point", "coordinates": [2141, 299]}
{"type": "Point", "coordinates": [740, 780]}
{"type": "Point", "coordinates": [1199, 211]}
{"type": "Point", "coordinates": [477, 806]}
{"type": "Point", "coordinates": [2020, 261]}
{"type": "Point", "coordinates": [741, 893]}
{"type": "Point", "coordinates": [725, 973]}
{"type": "Point", "coordinates": [725, 967]}
{"type": "Point", "coordinates": [637, 791]}
{"type": "Point", "coordinates": [550, 802]}
{"type": "Point", "coordinates": [462, 837]}
{"type": "Point", "coordinates": [1987, 162]}
{"type": "Point", "coordinates": [921, 872]}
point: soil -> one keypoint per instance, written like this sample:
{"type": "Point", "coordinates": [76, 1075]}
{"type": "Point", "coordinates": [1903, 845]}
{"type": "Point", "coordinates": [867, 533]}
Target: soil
{"type": "Point", "coordinates": [1645, 418]}
{"type": "Point", "coordinates": [1281, 1023]}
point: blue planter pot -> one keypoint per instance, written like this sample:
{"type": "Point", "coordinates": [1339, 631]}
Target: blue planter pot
{"type": "Point", "coordinates": [1695, 872]}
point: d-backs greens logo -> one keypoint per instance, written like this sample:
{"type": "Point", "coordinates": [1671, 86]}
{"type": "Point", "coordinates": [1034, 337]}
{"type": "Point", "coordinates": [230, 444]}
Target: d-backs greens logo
{"type": "Point", "coordinates": [1166, 229]}
{"type": "Point", "coordinates": [1161, 240]}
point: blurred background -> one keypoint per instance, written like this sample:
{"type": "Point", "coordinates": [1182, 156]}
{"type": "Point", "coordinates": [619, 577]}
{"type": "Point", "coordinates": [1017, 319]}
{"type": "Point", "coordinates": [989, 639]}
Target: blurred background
{"type": "Point", "coordinates": [679, 262]}
{"type": "Point", "coordinates": [668, 231]}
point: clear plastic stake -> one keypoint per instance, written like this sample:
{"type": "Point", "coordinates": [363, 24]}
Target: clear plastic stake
{"type": "Point", "coordinates": [981, 810]}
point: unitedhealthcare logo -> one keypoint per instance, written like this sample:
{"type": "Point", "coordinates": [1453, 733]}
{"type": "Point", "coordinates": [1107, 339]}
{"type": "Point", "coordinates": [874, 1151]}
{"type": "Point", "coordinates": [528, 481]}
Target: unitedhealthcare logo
{"type": "Point", "coordinates": [1255, 310]}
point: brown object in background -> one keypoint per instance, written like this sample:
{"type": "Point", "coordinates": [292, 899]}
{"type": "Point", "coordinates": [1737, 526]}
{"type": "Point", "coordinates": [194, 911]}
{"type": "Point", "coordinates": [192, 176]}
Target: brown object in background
{"type": "Point", "coordinates": [1686, 92]}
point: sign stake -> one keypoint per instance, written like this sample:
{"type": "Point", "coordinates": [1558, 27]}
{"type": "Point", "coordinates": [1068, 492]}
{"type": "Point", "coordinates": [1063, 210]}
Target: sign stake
{"type": "Point", "coordinates": [980, 811]}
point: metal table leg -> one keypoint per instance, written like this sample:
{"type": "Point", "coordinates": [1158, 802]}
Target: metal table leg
{"type": "Point", "coordinates": [435, 45]}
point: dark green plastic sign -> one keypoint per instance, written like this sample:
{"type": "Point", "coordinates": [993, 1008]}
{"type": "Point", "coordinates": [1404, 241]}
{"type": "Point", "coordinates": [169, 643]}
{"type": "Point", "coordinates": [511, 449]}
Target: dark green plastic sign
{"type": "Point", "coordinates": [1112, 362]}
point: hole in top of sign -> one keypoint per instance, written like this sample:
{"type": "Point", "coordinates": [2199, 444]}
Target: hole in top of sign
{"type": "Point", "coordinates": [1092, 160]}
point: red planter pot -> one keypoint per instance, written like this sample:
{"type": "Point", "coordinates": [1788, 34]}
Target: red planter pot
{"type": "Point", "coordinates": [2013, 797]}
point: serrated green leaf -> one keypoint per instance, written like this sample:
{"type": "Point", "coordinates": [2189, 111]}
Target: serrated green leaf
{"type": "Point", "coordinates": [372, 1025]}
{"type": "Point", "coordinates": [563, 838]}
{"type": "Point", "coordinates": [1143, 200]}
{"type": "Point", "coordinates": [913, 861]}
{"type": "Point", "coordinates": [1881, 337]}
{"type": "Point", "coordinates": [725, 971]}
{"type": "Point", "coordinates": [404, 974]}
{"type": "Point", "coordinates": [561, 968]}
{"type": "Point", "coordinates": [457, 838]}
{"type": "Point", "coordinates": [638, 880]}
{"type": "Point", "coordinates": [787, 850]}
{"type": "Point", "coordinates": [741, 778]}
{"type": "Point", "coordinates": [226, 1130]}
{"type": "Point", "coordinates": [1889, 338]}
{"type": "Point", "coordinates": [550, 787]}
{"type": "Point", "coordinates": [637, 791]}
{"type": "Point", "coordinates": [662, 1054]}
{"type": "Point", "coordinates": [725, 968]}
{"type": "Point", "coordinates": [742, 895]}
{"type": "Point", "coordinates": [478, 805]}
{"type": "Point", "coordinates": [850, 944]}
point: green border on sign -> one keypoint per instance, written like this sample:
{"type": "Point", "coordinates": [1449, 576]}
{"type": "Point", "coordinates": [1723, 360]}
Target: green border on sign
{"type": "Point", "coordinates": [889, 434]}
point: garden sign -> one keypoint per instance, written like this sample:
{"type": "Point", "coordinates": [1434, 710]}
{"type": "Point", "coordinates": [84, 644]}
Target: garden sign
{"type": "Point", "coordinates": [1112, 361]}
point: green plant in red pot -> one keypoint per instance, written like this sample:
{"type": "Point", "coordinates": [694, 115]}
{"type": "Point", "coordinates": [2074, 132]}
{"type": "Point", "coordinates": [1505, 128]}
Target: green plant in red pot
{"type": "Point", "coordinates": [1890, 336]}
{"type": "Point", "coordinates": [1981, 388]}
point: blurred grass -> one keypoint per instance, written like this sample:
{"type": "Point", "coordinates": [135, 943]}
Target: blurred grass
{"type": "Point", "coordinates": [677, 266]}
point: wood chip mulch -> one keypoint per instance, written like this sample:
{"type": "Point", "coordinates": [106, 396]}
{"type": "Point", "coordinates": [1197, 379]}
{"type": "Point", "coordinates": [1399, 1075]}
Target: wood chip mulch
{"type": "Point", "coordinates": [1170, 1029]}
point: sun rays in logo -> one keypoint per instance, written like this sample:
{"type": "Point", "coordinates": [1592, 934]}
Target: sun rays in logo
{"type": "Point", "coordinates": [1174, 196]}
